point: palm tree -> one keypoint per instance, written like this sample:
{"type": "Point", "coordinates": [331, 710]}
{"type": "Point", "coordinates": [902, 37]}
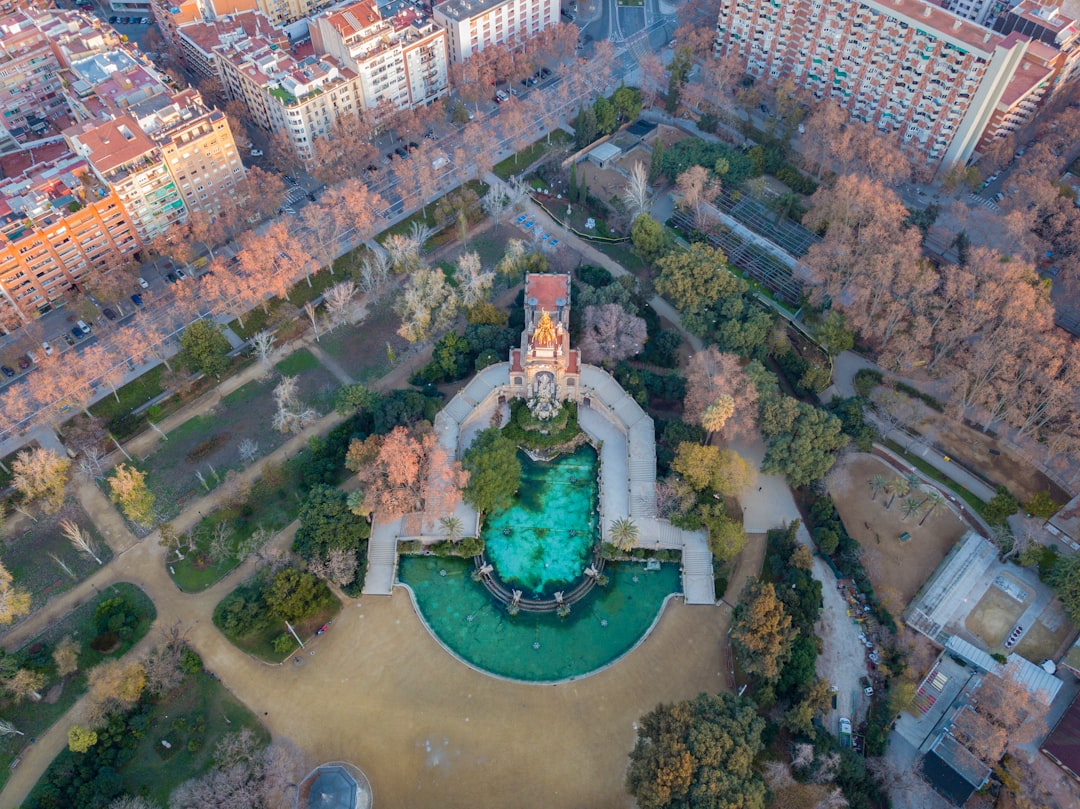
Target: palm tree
{"type": "Point", "coordinates": [451, 528]}
{"type": "Point", "coordinates": [623, 533]}
{"type": "Point", "coordinates": [897, 486]}
{"type": "Point", "coordinates": [912, 506]}
{"type": "Point", "coordinates": [878, 484]}
{"type": "Point", "coordinates": [934, 498]}
{"type": "Point", "coordinates": [8, 729]}
{"type": "Point", "coordinates": [914, 481]}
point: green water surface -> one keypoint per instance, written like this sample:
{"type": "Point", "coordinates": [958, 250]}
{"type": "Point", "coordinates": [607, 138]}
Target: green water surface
{"type": "Point", "coordinates": [602, 627]}
{"type": "Point", "coordinates": [543, 543]}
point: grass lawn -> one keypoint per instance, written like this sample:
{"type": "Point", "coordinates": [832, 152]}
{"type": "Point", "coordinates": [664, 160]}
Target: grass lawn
{"type": "Point", "coordinates": [29, 548]}
{"type": "Point", "coordinates": [625, 255]}
{"type": "Point", "coordinates": [361, 349]}
{"type": "Point", "coordinates": [135, 393]}
{"type": "Point", "coordinates": [273, 503]}
{"type": "Point", "coordinates": [209, 443]}
{"type": "Point", "coordinates": [196, 715]}
{"type": "Point", "coordinates": [34, 718]}
{"type": "Point", "coordinates": [529, 155]}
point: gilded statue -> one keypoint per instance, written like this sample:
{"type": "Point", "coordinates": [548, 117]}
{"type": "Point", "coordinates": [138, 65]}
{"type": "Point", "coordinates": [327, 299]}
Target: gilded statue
{"type": "Point", "coordinates": [544, 334]}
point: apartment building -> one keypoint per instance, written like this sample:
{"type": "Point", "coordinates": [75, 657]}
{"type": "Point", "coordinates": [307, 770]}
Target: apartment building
{"type": "Point", "coordinates": [201, 42]}
{"type": "Point", "coordinates": [59, 222]}
{"type": "Point", "coordinates": [300, 99]}
{"type": "Point", "coordinates": [472, 25]}
{"type": "Point", "coordinates": [902, 65]}
{"type": "Point", "coordinates": [401, 59]}
{"type": "Point", "coordinates": [1058, 32]}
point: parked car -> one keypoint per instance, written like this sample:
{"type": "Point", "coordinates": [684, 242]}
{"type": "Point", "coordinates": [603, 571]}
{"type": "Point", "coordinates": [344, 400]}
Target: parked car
{"type": "Point", "coordinates": [24, 363]}
{"type": "Point", "coordinates": [142, 283]}
{"type": "Point", "coordinates": [256, 152]}
{"type": "Point", "coordinates": [8, 372]}
{"type": "Point", "coordinates": [71, 340]}
{"type": "Point", "coordinates": [83, 327]}
{"type": "Point", "coordinates": [109, 314]}
{"type": "Point", "coordinates": [144, 21]}
{"type": "Point", "coordinates": [401, 153]}
{"type": "Point", "coordinates": [171, 277]}
{"type": "Point", "coordinates": [47, 348]}
{"type": "Point", "coordinates": [136, 299]}
{"type": "Point", "coordinates": [181, 275]}
{"type": "Point", "coordinates": [545, 72]}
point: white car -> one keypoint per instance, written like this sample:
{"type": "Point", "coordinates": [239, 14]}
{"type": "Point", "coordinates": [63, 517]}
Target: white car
{"type": "Point", "coordinates": [142, 283]}
{"type": "Point", "coordinates": [83, 327]}
{"type": "Point", "coordinates": [48, 348]}
{"type": "Point", "coordinates": [256, 152]}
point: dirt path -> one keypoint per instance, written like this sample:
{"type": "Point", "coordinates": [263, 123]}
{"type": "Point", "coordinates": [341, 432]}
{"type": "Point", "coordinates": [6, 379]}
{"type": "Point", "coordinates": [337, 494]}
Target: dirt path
{"type": "Point", "coordinates": [747, 566]}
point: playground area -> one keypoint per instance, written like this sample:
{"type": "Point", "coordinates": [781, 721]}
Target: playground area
{"type": "Point", "coordinates": [897, 567]}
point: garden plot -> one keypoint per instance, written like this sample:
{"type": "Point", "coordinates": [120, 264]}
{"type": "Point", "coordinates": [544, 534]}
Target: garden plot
{"type": "Point", "coordinates": [1048, 637]}
{"type": "Point", "coordinates": [996, 613]}
{"type": "Point", "coordinates": [897, 568]}
{"type": "Point", "coordinates": [213, 443]}
{"type": "Point", "coordinates": [42, 560]}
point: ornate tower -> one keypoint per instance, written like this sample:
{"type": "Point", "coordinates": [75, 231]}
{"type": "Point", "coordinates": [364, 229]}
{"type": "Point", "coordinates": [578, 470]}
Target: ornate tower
{"type": "Point", "coordinates": [545, 366]}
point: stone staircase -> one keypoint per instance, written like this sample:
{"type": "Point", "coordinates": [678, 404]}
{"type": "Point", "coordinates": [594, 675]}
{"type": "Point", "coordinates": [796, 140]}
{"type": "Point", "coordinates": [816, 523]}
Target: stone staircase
{"type": "Point", "coordinates": [698, 584]}
{"type": "Point", "coordinates": [382, 560]}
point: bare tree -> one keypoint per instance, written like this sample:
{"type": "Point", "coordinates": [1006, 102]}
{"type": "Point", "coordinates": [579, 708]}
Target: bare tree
{"type": "Point", "coordinates": [8, 729]}
{"type": "Point", "coordinates": [249, 450]}
{"type": "Point", "coordinates": [338, 300]}
{"type": "Point", "coordinates": [611, 334]}
{"type": "Point", "coordinates": [220, 547]}
{"type": "Point", "coordinates": [79, 539]}
{"type": "Point", "coordinates": [496, 204]}
{"type": "Point", "coordinates": [474, 283]}
{"type": "Point", "coordinates": [292, 414]}
{"type": "Point", "coordinates": [374, 270]}
{"type": "Point", "coordinates": [636, 194]}
{"type": "Point", "coordinates": [338, 567]}
{"type": "Point", "coordinates": [263, 344]}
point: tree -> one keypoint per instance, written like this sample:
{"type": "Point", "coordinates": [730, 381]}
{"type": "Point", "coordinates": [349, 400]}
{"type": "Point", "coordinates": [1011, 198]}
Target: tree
{"type": "Point", "coordinates": [627, 101]}
{"type": "Point", "coordinates": [647, 236]}
{"type": "Point", "coordinates": [623, 534]}
{"type": "Point", "coordinates": [292, 595]}
{"type": "Point", "coordinates": [711, 375]}
{"type": "Point", "coordinates": [474, 283]}
{"type": "Point", "coordinates": [8, 729]}
{"type": "Point", "coordinates": [127, 487]}
{"type": "Point", "coordinates": [878, 484]}
{"type": "Point", "coordinates": [25, 684]}
{"type": "Point", "coordinates": [611, 334]}
{"type": "Point", "coordinates": [41, 474]}
{"type": "Point", "coordinates": [14, 601]}
{"type": "Point", "coordinates": [802, 440]}
{"type": "Point", "coordinates": [636, 194]}
{"type": "Point", "coordinates": [81, 739]}
{"type": "Point", "coordinates": [761, 631]}
{"type": "Point", "coordinates": [1002, 714]}
{"type": "Point", "coordinates": [935, 499]}
{"type": "Point", "coordinates": [604, 113]}
{"type": "Point", "coordinates": [327, 524]}
{"type": "Point", "coordinates": [678, 73]}
{"type": "Point", "coordinates": [585, 127]}
{"type": "Point", "coordinates": [403, 471]}
{"type": "Point", "coordinates": [338, 300]}
{"type": "Point", "coordinates": [717, 414]}
{"type": "Point", "coordinates": [708, 468]}
{"type": "Point", "coordinates": [911, 508]}
{"type": "Point", "coordinates": [427, 305]}
{"type": "Point", "coordinates": [494, 471]}
{"type": "Point", "coordinates": [698, 753]}
{"type": "Point", "coordinates": [292, 415]}
{"type": "Point", "coordinates": [79, 539]}
{"type": "Point", "coordinates": [355, 398]}
{"type": "Point", "coordinates": [117, 683]}
{"type": "Point", "coordinates": [696, 278]}
{"type": "Point", "coordinates": [66, 656]}
{"type": "Point", "coordinates": [204, 348]}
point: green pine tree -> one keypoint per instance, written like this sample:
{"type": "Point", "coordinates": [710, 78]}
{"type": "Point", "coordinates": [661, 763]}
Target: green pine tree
{"type": "Point", "coordinates": [572, 193]}
{"type": "Point", "coordinates": [656, 164]}
{"type": "Point", "coordinates": [583, 188]}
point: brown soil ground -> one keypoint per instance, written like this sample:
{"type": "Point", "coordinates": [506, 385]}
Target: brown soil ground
{"type": "Point", "coordinates": [897, 569]}
{"type": "Point", "coordinates": [972, 448]}
{"type": "Point", "coordinates": [1049, 637]}
{"type": "Point", "coordinates": [994, 617]}
{"type": "Point", "coordinates": [747, 564]}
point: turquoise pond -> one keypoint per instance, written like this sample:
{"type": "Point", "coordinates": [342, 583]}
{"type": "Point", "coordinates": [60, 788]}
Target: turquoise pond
{"type": "Point", "coordinates": [543, 543]}
{"type": "Point", "coordinates": [537, 647]}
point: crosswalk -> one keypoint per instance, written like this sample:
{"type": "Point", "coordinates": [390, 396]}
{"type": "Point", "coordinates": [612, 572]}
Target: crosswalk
{"type": "Point", "coordinates": [989, 203]}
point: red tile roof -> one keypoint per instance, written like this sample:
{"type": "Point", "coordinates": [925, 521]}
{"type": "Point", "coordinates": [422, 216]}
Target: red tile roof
{"type": "Point", "coordinates": [547, 288]}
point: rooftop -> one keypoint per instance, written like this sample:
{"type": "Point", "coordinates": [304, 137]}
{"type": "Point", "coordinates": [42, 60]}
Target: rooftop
{"type": "Point", "coordinates": [953, 771]}
{"type": "Point", "coordinates": [940, 24]}
{"type": "Point", "coordinates": [464, 9]}
{"type": "Point", "coordinates": [1063, 743]}
{"type": "Point", "coordinates": [110, 144]}
{"type": "Point", "coordinates": [547, 289]}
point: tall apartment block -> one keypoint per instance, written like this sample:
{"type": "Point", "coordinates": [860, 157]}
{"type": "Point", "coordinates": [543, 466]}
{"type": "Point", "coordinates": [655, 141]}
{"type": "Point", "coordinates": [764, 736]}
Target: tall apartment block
{"type": "Point", "coordinates": [401, 59]}
{"type": "Point", "coordinates": [59, 222]}
{"type": "Point", "coordinates": [356, 59]}
{"type": "Point", "coordinates": [945, 84]}
{"type": "Point", "coordinates": [472, 25]}
{"type": "Point", "coordinates": [172, 15]}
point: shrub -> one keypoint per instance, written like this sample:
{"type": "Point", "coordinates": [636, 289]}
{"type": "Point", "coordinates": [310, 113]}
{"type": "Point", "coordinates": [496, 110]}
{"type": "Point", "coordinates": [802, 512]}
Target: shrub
{"type": "Point", "coordinates": [1001, 506]}
{"type": "Point", "coordinates": [206, 447]}
{"type": "Point", "coordinates": [866, 379]}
